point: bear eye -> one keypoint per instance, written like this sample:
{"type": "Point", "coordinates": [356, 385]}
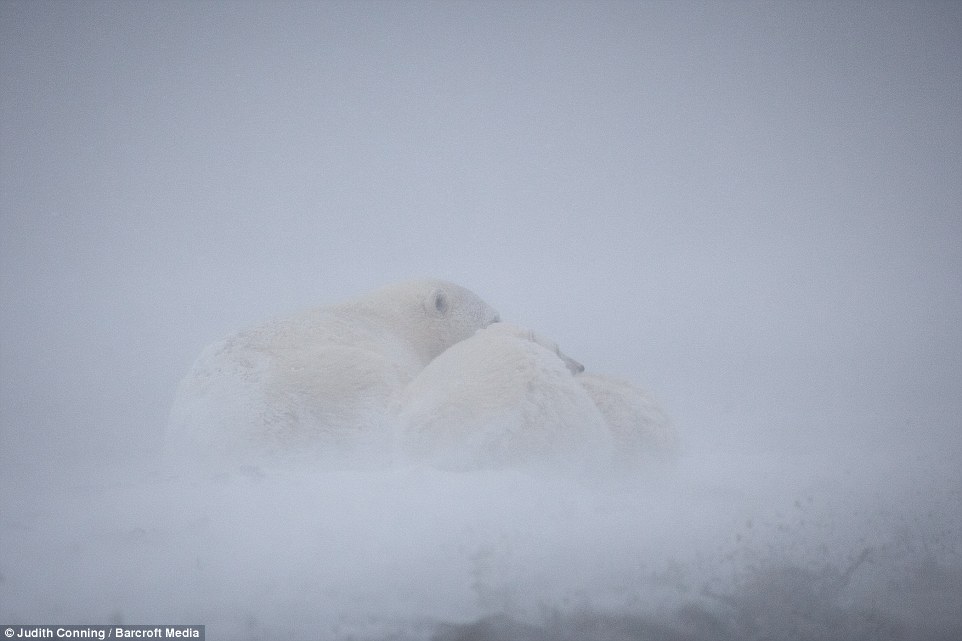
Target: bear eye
{"type": "Point", "coordinates": [440, 302]}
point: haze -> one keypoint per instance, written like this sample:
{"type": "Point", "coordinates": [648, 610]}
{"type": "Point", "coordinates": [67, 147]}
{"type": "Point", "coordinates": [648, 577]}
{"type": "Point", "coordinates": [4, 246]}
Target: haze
{"type": "Point", "coordinates": [752, 209]}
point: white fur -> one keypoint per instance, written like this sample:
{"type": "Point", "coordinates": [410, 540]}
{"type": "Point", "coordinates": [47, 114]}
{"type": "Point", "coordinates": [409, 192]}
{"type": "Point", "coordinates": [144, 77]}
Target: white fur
{"type": "Point", "coordinates": [319, 382]}
{"type": "Point", "coordinates": [502, 398]}
{"type": "Point", "coordinates": [641, 430]}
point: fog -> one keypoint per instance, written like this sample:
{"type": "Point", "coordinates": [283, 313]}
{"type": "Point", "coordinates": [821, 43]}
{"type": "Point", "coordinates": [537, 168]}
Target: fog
{"type": "Point", "coordinates": [754, 210]}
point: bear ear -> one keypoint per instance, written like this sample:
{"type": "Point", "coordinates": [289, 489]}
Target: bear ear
{"type": "Point", "coordinates": [440, 302]}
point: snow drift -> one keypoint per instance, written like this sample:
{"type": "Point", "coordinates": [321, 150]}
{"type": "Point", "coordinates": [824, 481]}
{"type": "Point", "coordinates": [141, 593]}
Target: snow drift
{"type": "Point", "coordinates": [727, 545]}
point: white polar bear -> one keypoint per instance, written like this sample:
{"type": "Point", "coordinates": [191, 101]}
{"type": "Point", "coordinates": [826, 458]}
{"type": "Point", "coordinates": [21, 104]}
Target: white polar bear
{"type": "Point", "coordinates": [321, 382]}
{"type": "Point", "coordinates": [502, 398]}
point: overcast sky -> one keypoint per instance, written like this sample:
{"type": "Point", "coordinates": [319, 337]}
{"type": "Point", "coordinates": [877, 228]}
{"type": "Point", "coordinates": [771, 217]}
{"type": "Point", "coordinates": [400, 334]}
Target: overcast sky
{"type": "Point", "coordinates": [753, 209]}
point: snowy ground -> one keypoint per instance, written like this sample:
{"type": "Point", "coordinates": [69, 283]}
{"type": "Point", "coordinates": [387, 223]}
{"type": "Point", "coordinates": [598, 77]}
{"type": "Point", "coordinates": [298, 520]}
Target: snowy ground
{"type": "Point", "coordinates": [725, 546]}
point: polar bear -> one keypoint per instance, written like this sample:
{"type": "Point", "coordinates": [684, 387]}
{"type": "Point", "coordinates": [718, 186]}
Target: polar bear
{"type": "Point", "coordinates": [322, 382]}
{"type": "Point", "coordinates": [503, 398]}
{"type": "Point", "coordinates": [641, 430]}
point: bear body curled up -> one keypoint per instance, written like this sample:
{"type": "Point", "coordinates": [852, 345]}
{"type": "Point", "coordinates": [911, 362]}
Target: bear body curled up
{"type": "Point", "coordinates": [505, 397]}
{"type": "Point", "coordinates": [321, 382]}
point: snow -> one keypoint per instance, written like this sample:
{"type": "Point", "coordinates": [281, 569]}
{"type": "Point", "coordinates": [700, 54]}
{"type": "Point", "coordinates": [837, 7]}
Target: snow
{"type": "Point", "coordinates": [724, 545]}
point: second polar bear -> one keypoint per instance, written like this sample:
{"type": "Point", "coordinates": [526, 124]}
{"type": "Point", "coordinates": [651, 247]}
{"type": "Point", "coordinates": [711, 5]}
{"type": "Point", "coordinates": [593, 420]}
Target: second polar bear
{"type": "Point", "coordinates": [503, 398]}
{"type": "Point", "coordinates": [321, 382]}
